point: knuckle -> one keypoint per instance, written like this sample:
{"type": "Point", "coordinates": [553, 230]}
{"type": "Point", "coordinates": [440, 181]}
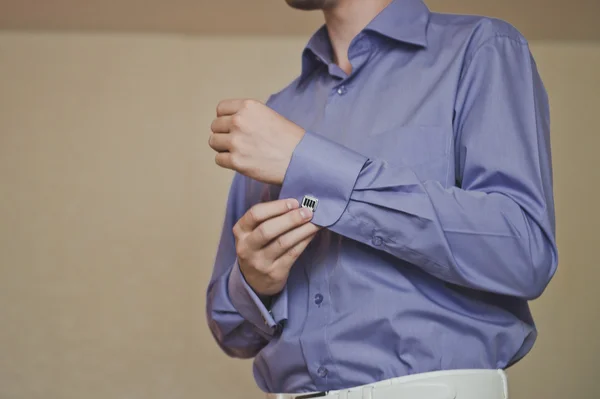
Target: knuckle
{"type": "Point", "coordinates": [262, 232]}
{"type": "Point", "coordinates": [253, 214]}
{"type": "Point", "coordinates": [236, 162]}
{"type": "Point", "coordinates": [236, 230]}
{"type": "Point", "coordinates": [293, 253]}
{"type": "Point", "coordinates": [220, 106]}
{"type": "Point", "coordinates": [237, 120]}
{"type": "Point", "coordinates": [241, 250]}
{"type": "Point", "coordinates": [249, 103]}
{"type": "Point", "coordinates": [219, 160]}
{"type": "Point", "coordinates": [235, 141]}
{"type": "Point", "coordinates": [281, 242]}
{"type": "Point", "coordinates": [211, 140]}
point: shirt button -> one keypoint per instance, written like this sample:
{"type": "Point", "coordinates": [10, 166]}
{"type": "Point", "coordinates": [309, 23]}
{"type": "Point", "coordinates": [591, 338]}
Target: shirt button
{"type": "Point", "coordinates": [377, 241]}
{"type": "Point", "coordinates": [322, 372]}
{"type": "Point", "coordinates": [318, 299]}
{"type": "Point", "coordinates": [342, 90]}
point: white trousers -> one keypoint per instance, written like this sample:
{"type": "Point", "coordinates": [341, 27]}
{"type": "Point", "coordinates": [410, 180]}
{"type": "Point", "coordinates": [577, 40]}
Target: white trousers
{"type": "Point", "coordinates": [456, 384]}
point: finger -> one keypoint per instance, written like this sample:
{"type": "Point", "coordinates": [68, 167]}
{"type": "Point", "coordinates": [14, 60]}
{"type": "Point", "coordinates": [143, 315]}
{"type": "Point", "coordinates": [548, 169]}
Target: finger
{"type": "Point", "coordinates": [221, 125]}
{"type": "Point", "coordinates": [272, 228]}
{"type": "Point", "coordinates": [285, 242]}
{"type": "Point", "coordinates": [288, 259]}
{"type": "Point", "coordinates": [224, 160]}
{"type": "Point", "coordinates": [264, 211]}
{"type": "Point", "coordinates": [220, 142]}
{"type": "Point", "coordinates": [229, 107]}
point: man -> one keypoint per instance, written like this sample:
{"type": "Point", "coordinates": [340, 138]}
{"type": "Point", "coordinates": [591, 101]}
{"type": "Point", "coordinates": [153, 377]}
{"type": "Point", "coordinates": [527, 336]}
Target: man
{"type": "Point", "coordinates": [392, 211]}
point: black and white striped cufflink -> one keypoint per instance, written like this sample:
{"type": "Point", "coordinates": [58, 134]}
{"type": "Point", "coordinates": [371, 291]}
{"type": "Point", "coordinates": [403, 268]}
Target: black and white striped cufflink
{"type": "Point", "coordinates": [309, 202]}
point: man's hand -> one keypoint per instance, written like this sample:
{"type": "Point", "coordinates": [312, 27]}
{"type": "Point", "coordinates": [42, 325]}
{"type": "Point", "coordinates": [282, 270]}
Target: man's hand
{"type": "Point", "coordinates": [269, 238]}
{"type": "Point", "coordinates": [253, 140]}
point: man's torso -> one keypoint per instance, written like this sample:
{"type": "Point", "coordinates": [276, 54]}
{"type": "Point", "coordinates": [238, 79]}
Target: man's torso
{"type": "Point", "coordinates": [356, 314]}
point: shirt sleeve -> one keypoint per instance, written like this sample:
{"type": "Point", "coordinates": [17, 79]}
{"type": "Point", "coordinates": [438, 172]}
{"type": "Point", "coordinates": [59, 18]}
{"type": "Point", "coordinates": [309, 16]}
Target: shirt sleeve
{"type": "Point", "coordinates": [238, 319]}
{"type": "Point", "coordinates": [494, 230]}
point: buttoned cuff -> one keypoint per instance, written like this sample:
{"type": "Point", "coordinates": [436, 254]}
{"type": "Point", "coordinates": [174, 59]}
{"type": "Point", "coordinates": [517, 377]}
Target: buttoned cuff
{"type": "Point", "coordinates": [325, 170]}
{"type": "Point", "coordinates": [251, 308]}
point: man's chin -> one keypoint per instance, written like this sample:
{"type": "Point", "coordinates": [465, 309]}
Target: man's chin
{"type": "Point", "coordinates": [310, 5]}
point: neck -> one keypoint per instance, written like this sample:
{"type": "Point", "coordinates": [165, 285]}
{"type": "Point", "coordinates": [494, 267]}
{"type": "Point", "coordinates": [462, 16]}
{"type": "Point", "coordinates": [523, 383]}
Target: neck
{"type": "Point", "coordinates": [345, 21]}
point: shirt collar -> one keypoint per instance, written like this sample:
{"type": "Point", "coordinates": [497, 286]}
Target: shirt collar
{"type": "Point", "coordinates": [402, 20]}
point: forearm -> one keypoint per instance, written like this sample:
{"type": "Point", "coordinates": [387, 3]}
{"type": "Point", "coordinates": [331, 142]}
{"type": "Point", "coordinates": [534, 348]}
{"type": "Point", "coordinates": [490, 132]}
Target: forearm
{"type": "Point", "coordinates": [485, 241]}
{"type": "Point", "coordinates": [239, 332]}
{"type": "Point", "coordinates": [239, 321]}
{"type": "Point", "coordinates": [482, 240]}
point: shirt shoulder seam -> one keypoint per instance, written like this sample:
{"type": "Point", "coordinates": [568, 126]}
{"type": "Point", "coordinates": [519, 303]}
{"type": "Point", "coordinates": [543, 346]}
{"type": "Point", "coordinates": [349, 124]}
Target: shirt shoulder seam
{"type": "Point", "coordinates": [496, 36]}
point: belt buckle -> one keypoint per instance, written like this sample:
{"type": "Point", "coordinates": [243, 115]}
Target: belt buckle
{"type": "Point", "coordinates": [312, 395]}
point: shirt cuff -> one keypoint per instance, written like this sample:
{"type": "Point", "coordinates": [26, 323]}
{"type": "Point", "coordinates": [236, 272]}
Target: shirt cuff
{"type": "Point", "coordinates": [325, 170]}
{"type": "Point", "coordinates": [249, 305]}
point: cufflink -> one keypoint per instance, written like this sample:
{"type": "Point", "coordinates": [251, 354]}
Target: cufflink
{"type": "Point", "coordinates": [309, 202]}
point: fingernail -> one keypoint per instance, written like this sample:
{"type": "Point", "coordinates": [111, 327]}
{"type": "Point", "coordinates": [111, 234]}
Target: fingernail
{"type": "Point", "coordinates": [292, 203]}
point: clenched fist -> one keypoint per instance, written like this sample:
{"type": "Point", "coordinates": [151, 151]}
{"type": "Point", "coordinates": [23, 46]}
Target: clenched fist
{"type": "Point", "coordinates": [253, 140]}
{"type": "Point", "coordinates": [269, 238]}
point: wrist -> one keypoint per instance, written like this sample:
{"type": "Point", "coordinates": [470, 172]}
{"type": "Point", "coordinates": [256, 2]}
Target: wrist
{"type": "Point", "coordinates": [264, 297]}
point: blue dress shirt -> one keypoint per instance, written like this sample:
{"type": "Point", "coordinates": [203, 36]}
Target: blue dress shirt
{"type": "Point", "coordinates": [431, 163]}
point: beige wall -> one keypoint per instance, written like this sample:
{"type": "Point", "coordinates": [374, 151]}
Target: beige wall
{"type": "Point", "coordinates": [110, 209]}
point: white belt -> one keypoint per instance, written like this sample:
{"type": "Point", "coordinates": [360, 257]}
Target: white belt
{"type": "Point", "coordinates": [457, 384]}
